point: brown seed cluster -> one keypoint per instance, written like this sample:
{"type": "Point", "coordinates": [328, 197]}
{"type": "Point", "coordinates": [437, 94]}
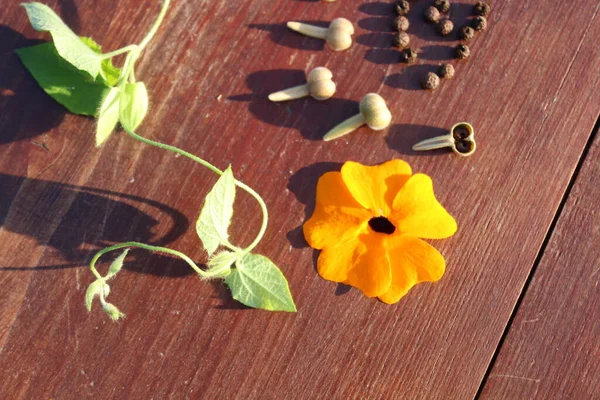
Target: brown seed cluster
{"type": "Point", "coordinates": [436, 14]}
{"type": "Point", "coordinates": [478, 24]}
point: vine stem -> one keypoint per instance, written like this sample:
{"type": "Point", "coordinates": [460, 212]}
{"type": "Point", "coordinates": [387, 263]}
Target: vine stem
{"type": "Point", "coordinates": [122, 50]}
{"type": "Point", "coordinates": [145, 247]}
{"type": "Point", "coordinates": [156, 25]}
{"type": "Point", "coordinates": [214, 169]}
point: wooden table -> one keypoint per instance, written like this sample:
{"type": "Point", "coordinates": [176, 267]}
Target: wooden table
{"type": "Point", "coordinates": [516, 314]}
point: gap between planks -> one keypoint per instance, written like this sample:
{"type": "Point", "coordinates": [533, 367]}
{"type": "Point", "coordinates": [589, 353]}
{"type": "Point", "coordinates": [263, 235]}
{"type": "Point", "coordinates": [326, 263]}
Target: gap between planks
{"type": "Point", "coordinates": [537, 261]}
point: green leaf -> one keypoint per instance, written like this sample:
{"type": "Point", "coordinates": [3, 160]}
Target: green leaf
{"type": "Point", "coordinates": [109, 72]}
{"type": "Point", "coordinates": [220, 264]}
{"type": "Point", "coordinates": [68, 44]}
{"type": "Point", "coordinates": [117, 264]}
{"type": "Point", "coordinates": [95, 289]}
{"type": "Point", "coordinates": [257, 282]}
{"type": "Point", "coordinates": [133, 105]}
{"type": "Point", "coordinates": [216, 214]}
{"type": "Point", "coordinates": [79, 93]}
{"type": "Point", "coordinates": [108, 116]}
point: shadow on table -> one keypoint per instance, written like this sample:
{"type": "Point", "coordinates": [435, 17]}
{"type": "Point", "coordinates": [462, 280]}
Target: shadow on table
{"type": "Point", "coordinates": [409, 78]}
{"type": "Point", "coordinates": [310, 117]}
{"type": "Point", "coordinates": [27, 111]}
{"type": "Point", "coordinates": [303, 184]}
{"type": "Point", "coordinates": [78, 221]}
{"type": "Point", "coordinates": [280, 35]}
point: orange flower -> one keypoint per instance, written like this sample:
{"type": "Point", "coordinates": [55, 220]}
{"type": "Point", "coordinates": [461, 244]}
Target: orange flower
{"type": "Point", "coordinates": [368, 221]}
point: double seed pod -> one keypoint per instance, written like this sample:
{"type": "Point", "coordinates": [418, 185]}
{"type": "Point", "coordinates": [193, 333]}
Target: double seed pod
{"type": "Point", "coordinates": [461, 139]}
{"type": "Point", "coordinates": [338, 36]}
{"type": "Point", "coordinates": [373, 112]}
{"type": "Point", "coordinates": [319, 85]}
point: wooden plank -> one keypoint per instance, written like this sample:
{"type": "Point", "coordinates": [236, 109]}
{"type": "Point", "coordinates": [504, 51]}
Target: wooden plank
{"type": "Point", "coordinates": [528, 89]}
{"type": "Point", "coordinates": [552, 350]}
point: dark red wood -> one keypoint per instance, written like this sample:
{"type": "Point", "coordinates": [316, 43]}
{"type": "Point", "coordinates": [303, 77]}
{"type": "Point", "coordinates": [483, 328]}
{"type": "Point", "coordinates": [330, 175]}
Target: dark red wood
{"type": "Point", "coordinates": [530, 89]}
{"type": "Point", "coordinates": [552, 349]}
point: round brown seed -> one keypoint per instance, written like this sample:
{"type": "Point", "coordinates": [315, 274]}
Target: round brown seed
{"type": "Point", "coordinates": [482, 8]}
{"type": "Point", "coordinates": [432, 14]}
{"type": "Point", "coordinates": [445, 27]}
{"type": "Point", "coordinates": [446, 71]}
{"type": "Point", "coordinates": [442, 5]}
{"type": "Point", "coordinates": [479, 23]}
{"type": "Point", "coordinates": [401, 39]}
{"type": "Point", "coordinates": [408, 56]}
{"type": "Point", "coordinates": [466, 33]}
{"type": "Point", "coordinates": [430, 81]}
{"type": "Point", "coordinates": [401, 23]}
{"type": "Point", "coordinates": [462, 51]}
{"type": "Point", "coordinates": [402, 7]}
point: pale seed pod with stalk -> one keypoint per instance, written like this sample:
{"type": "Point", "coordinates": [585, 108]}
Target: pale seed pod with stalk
{"type": "Point", "coordinates": [461, 139]}
{"type": "Point", "coordinates": [319, 85]}
{"type": "Point", "coordinates": [338, 36]}
{"type": "Point", "coordinates": [373, 112]}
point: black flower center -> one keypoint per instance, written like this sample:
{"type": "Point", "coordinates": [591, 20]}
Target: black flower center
{"type": "Point", "coordinates": [382, 225]}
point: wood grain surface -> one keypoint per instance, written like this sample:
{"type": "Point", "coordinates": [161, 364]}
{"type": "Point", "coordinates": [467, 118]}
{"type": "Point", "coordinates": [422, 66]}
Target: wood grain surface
{"type": "Point", "coordinates": [552, 349]}
{"type": "Point", "coordinates": [531, 89]}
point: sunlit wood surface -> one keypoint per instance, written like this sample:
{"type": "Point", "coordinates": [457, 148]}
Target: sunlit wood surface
{"type": "Point", "coordinates": [516, 314]}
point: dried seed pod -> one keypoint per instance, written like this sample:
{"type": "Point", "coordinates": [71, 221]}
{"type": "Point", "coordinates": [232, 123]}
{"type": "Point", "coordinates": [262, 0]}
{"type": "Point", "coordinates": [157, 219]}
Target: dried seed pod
{"type": "Point", "coordinates": [442, 5]}
{"type": "Point", "coordinates": [401, 40]}
{"type": "Point", "coordinates": [461, 139]}
{"type": "Point", "coordinates": [479, 23]}
{"type": "Point", "coordinates": [373, 112]}
{"type": "Point", "coordinates": [401, 23]}
{"type": "Point", "coordinates": [482, 8]}
{"type": "Point", "coordinates": [462, 51]}
{"type": "Point", "coordinates": [445, 27]}
{"type": "Point", "coordinates": [432, 14]}
{"type": "Point", "coordinates": [446, 71]}
{"type": "Point", "coordinates": [319, 85]}
{"type": "Point", "coordinates": [430, 81]}
{"type": "Point", "coordinates": [466, 33]}
{"type": "Point", "coordinates": [408, 55]}
{"type": "Point", "coordinates": [338, 36]}
{"type": "Point", "coordinates": [402, 7]}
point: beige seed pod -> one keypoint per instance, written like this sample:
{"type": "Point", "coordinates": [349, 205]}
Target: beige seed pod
{"type": "Point", "coordinates": [338, 36]}
{"type": "Point", "coordinates": [319, 85]}
{"type": "Point", "coordinates": [373, 112]}
{"type": "Point", "coordinates": [461, 139]}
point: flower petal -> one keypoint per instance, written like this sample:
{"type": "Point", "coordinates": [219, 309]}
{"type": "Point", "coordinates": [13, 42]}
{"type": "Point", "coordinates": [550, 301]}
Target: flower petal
{"type": "Point", "coordinates": [412, 261]}
{"type": "Point", "coordinates": [336, 213]}
{"type": "Point", "coordinates": [371, 271]}
{"type": "Point", "coordinates": [417, 212]}
{"type": "Point", "coordinates": [375, 187]}
{"type": "Point", "coordinates": [361, 262]}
